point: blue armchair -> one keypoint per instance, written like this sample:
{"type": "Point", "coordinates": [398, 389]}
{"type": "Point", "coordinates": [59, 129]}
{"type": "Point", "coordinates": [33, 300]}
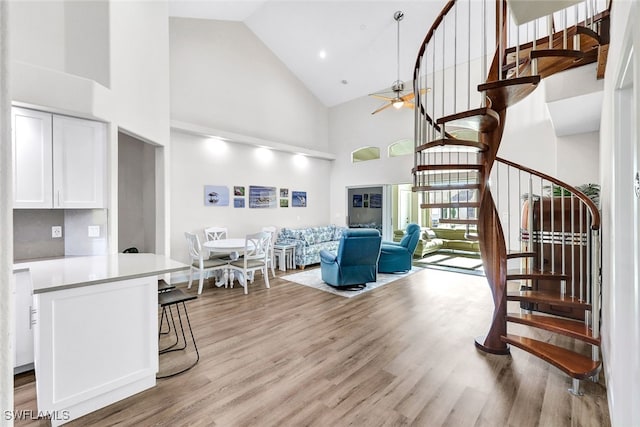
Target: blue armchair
{"type": "Point", "coordinates": [356, 261]}
{"type": "Point", "coordinates": [396, 257]}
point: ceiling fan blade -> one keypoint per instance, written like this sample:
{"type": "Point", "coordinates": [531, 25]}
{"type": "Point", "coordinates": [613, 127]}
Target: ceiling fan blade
{"type": "Point", "coordinates": [409, 104]}
{"type": "Point", "coordinates": [385, 106]}
{"type": "Point", "coordinates": [380, 96]}
{"type": "Point", "coordinates": [407, 97]}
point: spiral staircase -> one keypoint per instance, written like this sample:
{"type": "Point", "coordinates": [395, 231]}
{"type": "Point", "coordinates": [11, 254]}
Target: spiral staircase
{"type": "Point", "coordinates": [539, 237]}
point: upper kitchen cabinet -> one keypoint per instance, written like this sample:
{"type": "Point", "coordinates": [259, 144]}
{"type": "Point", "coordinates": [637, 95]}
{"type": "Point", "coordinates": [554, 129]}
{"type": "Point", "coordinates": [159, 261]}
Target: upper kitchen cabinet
{"type": "Point", "coordinates": [59, 161]}
{"type": "Point", "coordinates": [32, 173]}
{"type": "Point", "coordinates": [79, 163]}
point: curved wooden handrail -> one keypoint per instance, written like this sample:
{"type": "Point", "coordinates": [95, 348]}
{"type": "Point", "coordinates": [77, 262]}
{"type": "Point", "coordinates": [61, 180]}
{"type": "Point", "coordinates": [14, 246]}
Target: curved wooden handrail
{"type": "Point", "coordinates": [416, 69]}
{"type": "Point", "coordinates": [593, 209]}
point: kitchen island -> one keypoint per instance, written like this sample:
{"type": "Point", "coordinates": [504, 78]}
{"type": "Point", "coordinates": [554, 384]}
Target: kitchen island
{"type": "Point", "coordinates": [95, 332]}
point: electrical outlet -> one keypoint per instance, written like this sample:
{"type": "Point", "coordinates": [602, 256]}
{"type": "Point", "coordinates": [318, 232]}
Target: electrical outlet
{"type": "Point", "coordinates": [93, 231]}
{"type": "Point", "coordinates": [56, 231]}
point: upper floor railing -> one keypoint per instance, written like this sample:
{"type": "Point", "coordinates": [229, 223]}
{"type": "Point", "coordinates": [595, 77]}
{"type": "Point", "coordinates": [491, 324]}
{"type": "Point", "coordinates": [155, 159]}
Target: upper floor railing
{"type": "Point", "coordinates": [471, 40]}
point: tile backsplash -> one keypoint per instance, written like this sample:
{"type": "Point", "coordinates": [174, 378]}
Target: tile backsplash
{"type": "Point", "coordinates": [32, 233]}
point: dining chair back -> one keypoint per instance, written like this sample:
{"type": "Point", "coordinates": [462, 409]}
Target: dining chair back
{"type": "Point", "coordinates": [217, 233]}
{"type": "Point", "coordinates": [255, 258]}
{"type": "Point", "coordinates": [199, 263]}
{"type": "Point", "coordinates": [271, 257]}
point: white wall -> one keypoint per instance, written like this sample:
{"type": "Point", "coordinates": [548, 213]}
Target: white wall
{"type": "Point", "coordinates": [139, 33]}
{"type": "Point", "coordinates": [72, 37]}
{"type": "Point", "coordinates": [86, 34]}
{"type": "Point", "coordinates": [578, 158]}
{"type": "Point", "coordinates": [620, 295]}
{"type": "Point", "coordinates": [223, 77]}
{"type": "Point", "coordinates": [37, 33]}
{"type": "Point", "coordinates": [199, 161]}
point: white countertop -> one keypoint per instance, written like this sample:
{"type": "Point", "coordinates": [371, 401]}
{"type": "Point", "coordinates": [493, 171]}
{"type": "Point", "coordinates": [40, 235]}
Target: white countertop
{"type": "Point", "coordinates": [65, 273]}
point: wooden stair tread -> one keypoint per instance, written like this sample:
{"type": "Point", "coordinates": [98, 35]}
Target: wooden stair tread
{"type": "Point", "coordinates": [586, 31]}
{"type": "Point", "coordinates": [451, 205]}
{"type": "Point", "coordinates": [445, 187]}
{"type": "Point", "coordinates": [447, 143]}
{"type": "Point", "coordinates": [564, 53]}
{"type": "Point", "coordinates": [448, 167]}
{"type": "Point", "coordinates": [568, 327]}
{"type": "Point", "coordinates": [515, 255]}
{"type": "Point", "coordinates": [549, 65]}
{"type": "Point", "coordinates": [481, 119]}
{"type": "Point", "coordinates": [548, 297]}
{"type": "Point", "coordinates": [573, 364]}
{"type": "Point", "coordinates": [504, 93]}
{"type": "Point", "coordinates": [459, 221]}
{"type": "Point", "coordinates": [516, 273]}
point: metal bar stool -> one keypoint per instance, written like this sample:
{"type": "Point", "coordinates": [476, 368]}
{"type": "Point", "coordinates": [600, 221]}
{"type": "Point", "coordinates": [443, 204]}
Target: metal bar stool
{"type": "Point", "coordinates": [168, 299]}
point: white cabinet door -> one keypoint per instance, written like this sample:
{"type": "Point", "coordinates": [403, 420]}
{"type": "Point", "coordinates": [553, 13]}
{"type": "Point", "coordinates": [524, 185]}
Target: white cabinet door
{"type": "Point", "coordinates": [32, 163]}
{"type": "Point", "coordinates": [23, 356]}
{"type": "Point", "coordinates": [79, 163]}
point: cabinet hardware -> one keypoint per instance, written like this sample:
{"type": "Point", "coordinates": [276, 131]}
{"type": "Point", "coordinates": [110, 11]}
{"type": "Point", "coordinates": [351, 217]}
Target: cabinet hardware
{"type": "Point", "coordinates": [32, 316]}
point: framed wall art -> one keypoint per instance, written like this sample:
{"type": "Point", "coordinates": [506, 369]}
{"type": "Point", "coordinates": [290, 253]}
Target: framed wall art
{"type": "Point", "coordinates": [299, 199]}
{"type": "Point", "coordinates": [262, 197]}
{"type": "Point", "coordinates": [375, 200]}
{"type": "Point", "coordinates": [216, 195]}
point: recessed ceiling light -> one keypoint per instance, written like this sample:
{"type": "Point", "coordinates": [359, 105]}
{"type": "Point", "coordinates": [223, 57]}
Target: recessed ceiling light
{"type": "Point", "coordinates": [322, 54]}
{"type": "Point", "coordinates": [344, 82]}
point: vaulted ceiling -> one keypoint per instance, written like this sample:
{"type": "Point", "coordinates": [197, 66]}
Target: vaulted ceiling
{"type": "Point", "coordinates": [358, 38]}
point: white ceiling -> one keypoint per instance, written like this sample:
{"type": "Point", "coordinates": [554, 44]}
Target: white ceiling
{"type": "Point", "coordinates": [359, 38]}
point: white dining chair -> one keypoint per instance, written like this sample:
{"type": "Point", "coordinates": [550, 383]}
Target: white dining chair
{"type": "Point", "coordinates": [271, 258]}
{"type": "Point", "coordinates": [199, 263]}
{"type": "Point", "coordinates": [216, 233]}
{"type": "Point", "coordinates": [254, 258]}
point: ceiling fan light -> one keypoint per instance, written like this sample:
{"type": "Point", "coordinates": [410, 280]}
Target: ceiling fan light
{"type": "Point", "coordinates": [398, 103]}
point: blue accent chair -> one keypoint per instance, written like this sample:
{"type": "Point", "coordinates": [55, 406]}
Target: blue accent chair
{"type": "Point", "coordinates": [395, 257]}
{"type": "Point", "coordinates": [356, 262]}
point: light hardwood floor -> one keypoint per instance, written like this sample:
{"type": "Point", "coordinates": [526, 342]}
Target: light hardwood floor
{"type": "Point", "coordinates": [402, 354]}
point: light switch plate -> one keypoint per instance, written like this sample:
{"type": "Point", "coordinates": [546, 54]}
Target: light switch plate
{"type": "Point", "coordinates": [56, 231]}
{"type": "Point", "coordinates": [93, 231]}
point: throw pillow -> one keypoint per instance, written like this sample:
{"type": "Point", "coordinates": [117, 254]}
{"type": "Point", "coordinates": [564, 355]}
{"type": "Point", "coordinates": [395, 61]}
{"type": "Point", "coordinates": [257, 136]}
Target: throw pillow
{"type": "Point", "coordinates": [430, 234]}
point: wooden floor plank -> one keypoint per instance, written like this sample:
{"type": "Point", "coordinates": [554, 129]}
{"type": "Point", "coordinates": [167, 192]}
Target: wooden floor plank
{"type": "Point", "coordinates": [402, 354]}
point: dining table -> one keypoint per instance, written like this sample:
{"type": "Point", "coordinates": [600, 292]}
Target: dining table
{"type": "Point", "coordinates": [233, 247]}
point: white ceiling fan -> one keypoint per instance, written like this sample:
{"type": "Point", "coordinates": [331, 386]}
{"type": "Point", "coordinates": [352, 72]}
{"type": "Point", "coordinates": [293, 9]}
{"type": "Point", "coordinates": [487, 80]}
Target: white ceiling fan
{"type": "Point", "coordinates": [395, 96]}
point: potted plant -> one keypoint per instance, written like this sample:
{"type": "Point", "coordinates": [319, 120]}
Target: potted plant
{"type": "Point", "coordinates": [590, 190]}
